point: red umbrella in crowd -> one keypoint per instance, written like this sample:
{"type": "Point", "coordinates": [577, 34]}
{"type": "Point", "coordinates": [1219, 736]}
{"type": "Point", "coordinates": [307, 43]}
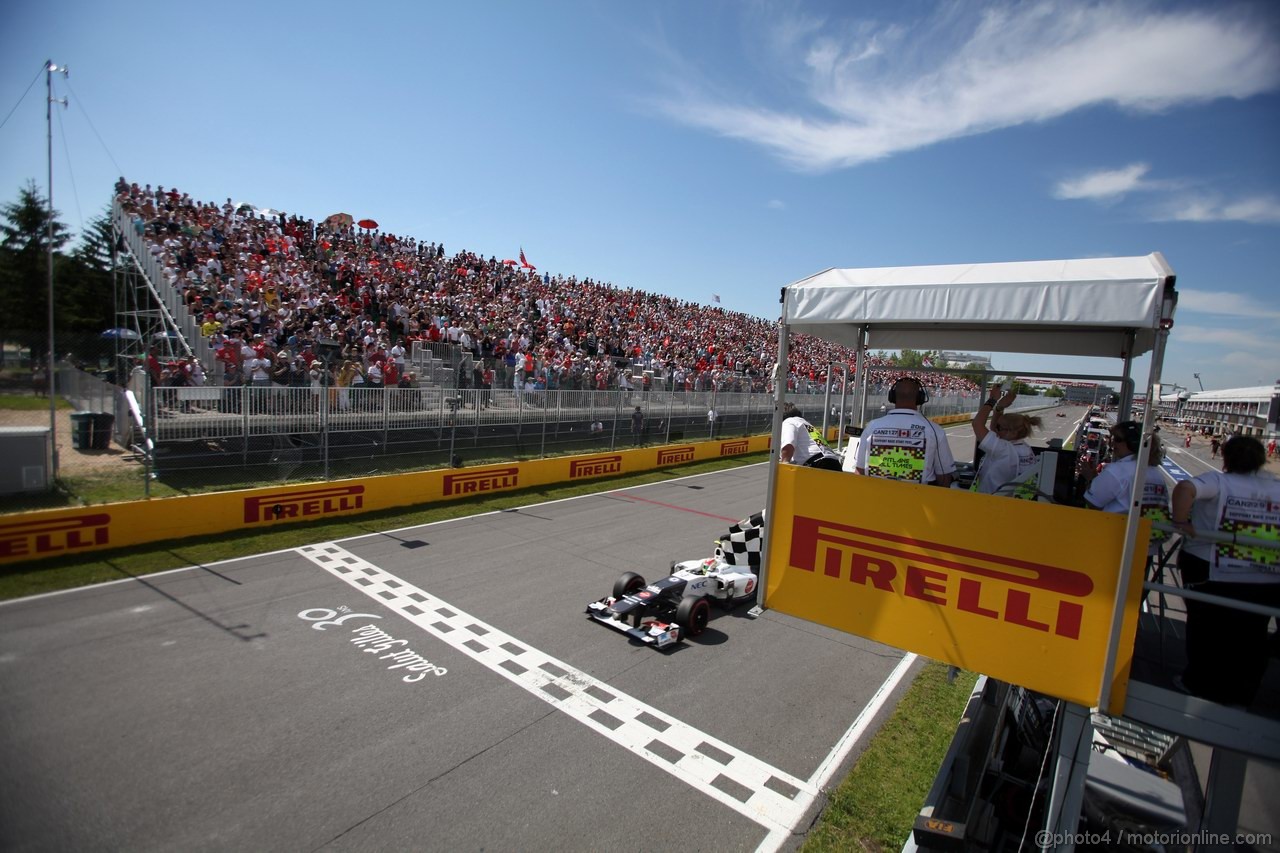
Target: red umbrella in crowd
{"type": "Point", "coordinates": [367, 223]}
{"type": "Point", "coordinates": [511, 263]}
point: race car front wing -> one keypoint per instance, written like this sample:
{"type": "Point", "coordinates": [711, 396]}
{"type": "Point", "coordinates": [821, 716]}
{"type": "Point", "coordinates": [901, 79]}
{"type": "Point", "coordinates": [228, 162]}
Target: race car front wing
{"type": "Point", "coordinates": [651, 630]}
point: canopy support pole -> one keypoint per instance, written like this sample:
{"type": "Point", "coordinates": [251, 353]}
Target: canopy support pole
{"type": "Point", "coordinates": [1134, 515]}
{"type": "Point", "coordinates": [1126, 387]}
{"type": "Point", "coordinates": [780, 373]}
{"type": "Point", "coordinates": [860, 374]}
{"type": "Point", "coordinates": [826, 401]}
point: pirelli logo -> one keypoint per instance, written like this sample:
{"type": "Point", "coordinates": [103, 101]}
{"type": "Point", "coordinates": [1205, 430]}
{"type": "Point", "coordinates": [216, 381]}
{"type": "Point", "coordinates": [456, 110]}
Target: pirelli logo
{"type": "Point", "coordinates": [475, 482]}
{"type": "Point", "coordinates": [734, 448]}
{"type": "Point", "coordinates": [595, 466]}
{"type": "Point", "coordinates": [675, 455]}
{"type": "Point", "coordinates": [304, 503]}
{"type": "Point", "coordinates": [40, 538]}
{"type": "Point", "coordinates": [1031, 595]}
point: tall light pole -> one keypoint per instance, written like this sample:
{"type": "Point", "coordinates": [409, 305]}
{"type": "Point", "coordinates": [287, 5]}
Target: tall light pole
{"type": "Point", "coordinates": [1198, 382]}
{"type": "Point", "coordinates": [50, 367]}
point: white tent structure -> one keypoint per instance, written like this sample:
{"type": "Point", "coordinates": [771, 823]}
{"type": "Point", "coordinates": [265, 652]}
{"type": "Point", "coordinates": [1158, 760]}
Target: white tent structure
{"type": "Point", "coordinates": [1111, 307]}
{"type": "Point", "coordinates": [1098, 307]}
{"type": "Point", "coordinates": [1102, 307]}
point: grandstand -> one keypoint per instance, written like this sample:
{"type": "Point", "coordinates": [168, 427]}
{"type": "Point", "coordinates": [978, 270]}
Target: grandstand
{"type": "Point", "coordinates": [252, 322]}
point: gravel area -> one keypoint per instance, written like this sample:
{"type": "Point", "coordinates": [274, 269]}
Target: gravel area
{"type": "Point", "coordinates": [71, 460]}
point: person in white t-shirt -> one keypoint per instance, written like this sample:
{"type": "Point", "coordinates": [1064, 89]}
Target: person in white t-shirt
{"type": "Point", "coordinates": [1110, 488]}
{"type": "Point", "coordinates": [1227, 649]}
{"type": "Point", "coordinates": [1006, 454]}
{"type": "Point", "coordinates": [802, 444]}
{"type": "Point", "coordinates": [903, 444]}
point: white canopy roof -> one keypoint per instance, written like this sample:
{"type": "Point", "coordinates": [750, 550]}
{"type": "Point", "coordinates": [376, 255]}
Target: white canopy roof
{"type": "Point", "coordinates": [1072, 307]}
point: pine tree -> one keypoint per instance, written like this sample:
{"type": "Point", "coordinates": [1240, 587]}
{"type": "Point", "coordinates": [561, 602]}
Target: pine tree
{"type": "Point", "coordinates": [24, 242]}
{"type": "Point", "coordinates": [87, 302]}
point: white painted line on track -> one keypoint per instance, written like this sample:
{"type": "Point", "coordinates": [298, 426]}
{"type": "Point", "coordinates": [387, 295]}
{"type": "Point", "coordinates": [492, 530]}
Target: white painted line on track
{"type": "Point", "coordinates": [770, 797]}
{"type": "Point", "coordinates": [845, 745]}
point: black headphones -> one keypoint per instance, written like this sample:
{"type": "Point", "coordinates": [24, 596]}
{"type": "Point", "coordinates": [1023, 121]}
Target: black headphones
{"type": "Point", "coordinates": [922, 396]}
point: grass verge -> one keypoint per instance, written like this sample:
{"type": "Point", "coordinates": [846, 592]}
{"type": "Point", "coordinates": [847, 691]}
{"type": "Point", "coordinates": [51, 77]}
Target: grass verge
{"type": "Point", "coordinates": [876, 805]}
{"type": "Point", "coordinates": [30, 403]}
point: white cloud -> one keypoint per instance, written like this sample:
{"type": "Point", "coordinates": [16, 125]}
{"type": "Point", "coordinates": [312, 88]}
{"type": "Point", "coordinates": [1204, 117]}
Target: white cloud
{"type": "Point", "coordinates": [1227, 339]}
{"type": "Point", "coordinates": [1104, 183]}
{"type": "Point", "coordinates": [1220, 302]}
{"type": "Point", "coordinates": [1246, 361]}
{"type": "Point", "coordinates": [776, 204]}
{"type": "Point", "coordinates": [1258, 210]}
{"type": "Point", "coordinates": [1175, 202]}
{"type": "Point", "coordinates": [869, 90]}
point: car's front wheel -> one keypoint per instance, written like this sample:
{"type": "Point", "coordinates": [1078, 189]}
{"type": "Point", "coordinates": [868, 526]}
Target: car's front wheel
{"type": "Point", "coordinates": [628, 583]}
{"type": "Point", "coordinates": [692, 615]}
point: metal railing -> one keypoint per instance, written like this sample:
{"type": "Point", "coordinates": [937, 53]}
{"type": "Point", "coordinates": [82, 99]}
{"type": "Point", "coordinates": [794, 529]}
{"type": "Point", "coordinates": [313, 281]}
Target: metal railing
{"type": "Point", "coordinates": [175, 309]}
{"type": "Point", "coordinates": [187, 413]}
{"type": "Point", "coordinates": [211, 412]}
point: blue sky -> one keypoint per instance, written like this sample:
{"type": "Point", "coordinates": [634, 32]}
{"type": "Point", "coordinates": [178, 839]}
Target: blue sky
{"type": "Point", "coordinates": [703, 148]}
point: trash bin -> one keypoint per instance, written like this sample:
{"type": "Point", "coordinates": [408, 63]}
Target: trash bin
{"type": "Point", "coordinates": [102, 424]}
{"type": "Point", "coordinates": [82, 430]}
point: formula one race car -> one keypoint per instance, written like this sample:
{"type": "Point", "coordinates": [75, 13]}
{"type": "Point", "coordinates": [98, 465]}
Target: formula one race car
{"type": "Point", "coordinates": [679, 606]}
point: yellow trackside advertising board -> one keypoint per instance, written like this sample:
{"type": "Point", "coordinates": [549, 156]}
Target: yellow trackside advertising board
{"type": "Point", "coordinates": [51, 533]}
{"type": "Point", "coordinates": [1020, 591]}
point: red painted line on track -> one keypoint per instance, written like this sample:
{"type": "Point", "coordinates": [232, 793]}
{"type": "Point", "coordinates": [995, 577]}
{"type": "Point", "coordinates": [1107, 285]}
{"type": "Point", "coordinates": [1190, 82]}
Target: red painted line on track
{"type": "Point", "coordinates": [680, 508]}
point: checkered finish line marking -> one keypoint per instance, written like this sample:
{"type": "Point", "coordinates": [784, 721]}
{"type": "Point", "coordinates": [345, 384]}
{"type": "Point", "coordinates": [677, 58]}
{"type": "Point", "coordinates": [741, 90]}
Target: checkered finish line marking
{"type": "Point", "coordinates": [766, 795]}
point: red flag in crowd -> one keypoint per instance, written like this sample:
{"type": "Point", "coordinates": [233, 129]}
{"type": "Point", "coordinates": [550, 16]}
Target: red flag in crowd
{"type": "Point", "coordinates": [524, 261]}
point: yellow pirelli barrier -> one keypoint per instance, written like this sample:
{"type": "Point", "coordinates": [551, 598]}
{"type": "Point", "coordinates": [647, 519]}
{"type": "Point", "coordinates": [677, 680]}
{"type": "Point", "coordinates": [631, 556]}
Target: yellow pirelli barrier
{"type": "Point", "coordinates": [51, 533]}
{"type": "Point", "coordinates": [1021, 591]}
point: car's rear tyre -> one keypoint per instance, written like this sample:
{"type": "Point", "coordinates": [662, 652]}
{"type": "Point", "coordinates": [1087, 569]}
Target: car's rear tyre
{"type": "Point", "coordinates": [629, 582]}
{"type": "Point", "coordinates": [692, 615]}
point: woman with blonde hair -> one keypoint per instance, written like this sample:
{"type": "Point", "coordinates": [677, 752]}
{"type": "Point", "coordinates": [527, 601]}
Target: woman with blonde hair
{"type": "Point", "coordinates": [1006, 454]}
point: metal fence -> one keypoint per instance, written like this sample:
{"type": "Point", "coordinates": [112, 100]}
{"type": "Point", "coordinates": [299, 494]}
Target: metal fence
{"type": "Point", "coordinates": [85, 391]}
{"type": "Point", "coordinates": [210, 437]}
{"type": "Point", "coordinates": [215, 436]}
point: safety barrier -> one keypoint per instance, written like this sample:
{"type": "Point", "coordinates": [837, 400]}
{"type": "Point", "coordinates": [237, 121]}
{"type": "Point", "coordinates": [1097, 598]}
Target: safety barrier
{"type": "Point", "coordinates": [79, 530]}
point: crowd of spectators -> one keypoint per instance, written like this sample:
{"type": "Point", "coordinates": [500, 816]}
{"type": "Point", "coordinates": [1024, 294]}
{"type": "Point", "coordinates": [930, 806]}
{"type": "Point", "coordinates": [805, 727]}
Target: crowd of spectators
{"type": "Point", "coordinates": [288, 300]}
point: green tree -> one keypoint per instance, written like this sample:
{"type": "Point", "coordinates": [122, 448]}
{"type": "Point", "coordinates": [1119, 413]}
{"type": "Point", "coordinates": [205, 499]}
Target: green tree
{"type": "Point", "coordinates": [915, 359]}
{"type": "Point", "coordinates": [85, 293]}
{"type": "Point", "coordinates": [24, 246]}
{"type": "Point", "coordinates": [1055, 391]}
{"type": "Point", "coordinates": [973, 372]}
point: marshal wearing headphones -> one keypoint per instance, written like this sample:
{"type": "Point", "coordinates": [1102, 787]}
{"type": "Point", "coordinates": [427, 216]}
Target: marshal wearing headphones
{"type": "Point", "coordinates": [903, 444]}
{"type": "Point", "coordinates": [922, 395]}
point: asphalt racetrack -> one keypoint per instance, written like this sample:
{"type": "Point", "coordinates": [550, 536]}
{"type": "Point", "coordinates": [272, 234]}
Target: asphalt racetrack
{"type": "Point", "coordinates": [433, 688]}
